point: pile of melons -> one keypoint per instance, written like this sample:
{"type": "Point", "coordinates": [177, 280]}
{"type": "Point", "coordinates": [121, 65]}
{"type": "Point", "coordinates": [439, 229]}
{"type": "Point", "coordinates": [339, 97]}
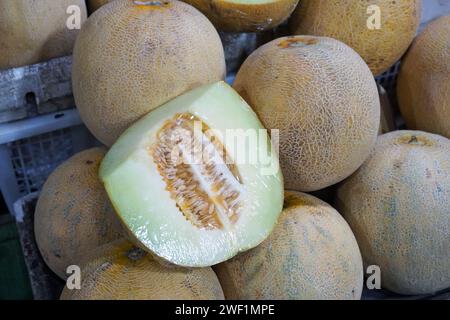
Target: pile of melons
{"type": "Point", "coordinates": [146, 221]}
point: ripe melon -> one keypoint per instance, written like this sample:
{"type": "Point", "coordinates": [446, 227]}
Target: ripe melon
{"type": "Point", "coordinates": [312, 254]}
{"type": "Point", "coordinates": [196, 180]}
{"type": "Point", "coordinates": [73, 214]}
{"type": "Point", "coordinates": [347, 21]}
{"type": "Point", "coordinates": [424, 80]}
{"type": "Point", "coordinates": [133, 56]}
{"type": "Point", "coordinates": [398, 205]}
{"type": "Point", "coordinates": [120, 271]}
{"type": "Point", "coordinates": [34, 31]}
{"type": "Point", "coordinates": [93, 5]}
{"type": "Point", "coordinates": [322, 98]}
{"type": "Point", "coordinates": [245, 15]}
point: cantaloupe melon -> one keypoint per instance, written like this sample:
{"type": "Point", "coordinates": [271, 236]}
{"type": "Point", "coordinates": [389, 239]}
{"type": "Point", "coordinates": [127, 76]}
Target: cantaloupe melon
{"type": "Point", "coordinates": [398, 206]}
{"type": "Point", "coordinates": [424, 80]}
{"type": "Point", "coordinates": [34, 31]}
{"type": "Point", "coordinates": [93, 5]}
{"type": "Point", "coordinates": [322, 98]}
{"type": "Point", "coordinates": [349, 20]}
{"type": "Point", "coordinates": [245, 15]}
{"type": "Point", "coordinates": [73, 214]}
{"type": "Point", "coordinates": [133, 56]}
{"type": "Point", "coordinates": [312, 254]}
{"type": "Point", "coordinates": [120, 271]}
{"type": "Point", "coordinates": [189, 183]}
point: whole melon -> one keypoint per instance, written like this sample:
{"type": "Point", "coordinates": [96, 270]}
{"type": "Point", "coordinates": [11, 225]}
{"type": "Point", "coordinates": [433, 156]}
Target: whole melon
{"type": "Point", "coordinates": [73, 214]}
{"type": "Point", "coordinates": [34, 31]}
{"type": "Point", "coordinates": [356, 24]}
{"type": "Point", "coordinates": [93, 5]}
{"type": "Point", "coordinates": [398, 206]}
{"type": "Point", "coordinates": [423, 86]}
{"type": "Point", "coordinates": [120, 271]}
{"type": "Point", "coordinates": [133, 56]}
{"type": "Point", "coordinates": [322, 98]}
{"type": "Point", "coordinates": [312, 254]}
{"type": "Point", "coordinates": [245, 15]}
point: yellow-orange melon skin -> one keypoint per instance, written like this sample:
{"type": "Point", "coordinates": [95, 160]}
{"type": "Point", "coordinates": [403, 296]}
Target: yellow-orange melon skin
{"type": "Point", "coordinates": [73, 214]}
{"type": "Point", "coordinates": [130, 58]}
{"type": "Point", "coordinates": [423, 86]}
{"type": "Point", "coordinates": [238, 16]}
{"type": "Point", "coordinates": [398, 205]}
{"type": "Point", "coordinates": [120, 271]}
{"type": "Point", "coordinates": [33, 31]}
{"type": "Point", "coordinates": [93, 5]}
{"type": "Point", "coordinates": [312, 254]}
{"type": "Point", "coordinates": [322, 98]}
{"type": "Point", "coordinates": [347, 21]}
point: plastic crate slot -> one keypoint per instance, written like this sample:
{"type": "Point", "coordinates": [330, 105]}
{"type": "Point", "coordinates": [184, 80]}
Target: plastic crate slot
{"type": "Point", "coordinates": [31, 103]}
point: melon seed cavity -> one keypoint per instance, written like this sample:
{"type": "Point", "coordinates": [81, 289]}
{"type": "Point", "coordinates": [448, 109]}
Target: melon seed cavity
{"type": "Point", "coordinates": [197, 171]}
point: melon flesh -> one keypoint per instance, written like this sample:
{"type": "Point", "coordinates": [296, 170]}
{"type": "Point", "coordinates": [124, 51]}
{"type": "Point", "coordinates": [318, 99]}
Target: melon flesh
{"type": "Point", "coordinates": [239, 214]}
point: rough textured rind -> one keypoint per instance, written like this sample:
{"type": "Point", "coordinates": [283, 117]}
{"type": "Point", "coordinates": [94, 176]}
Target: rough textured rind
{"type": "Point", "coordinates": [322, 97]}
{"type": "Point", "coordinates": [120, 271]}
{"type": "Point", "coordinates": [398, 205]}
{"type": "Point", "coordinates": [424, 80]}
{"type": "Point", "coordinates": [129, 59]}
{"type": "Point", "coordinates": [93, 5]}
{"type": "Point", "coordinates": [346, 20]}
{"type": "Point", "coordinates": [34, 31]}
{"type": "Point", "coordinates": [73, 214]}
{"type": "Point", "coordinates": [245, 16]}
{"type": "Point", "coordinates": [312, 254]}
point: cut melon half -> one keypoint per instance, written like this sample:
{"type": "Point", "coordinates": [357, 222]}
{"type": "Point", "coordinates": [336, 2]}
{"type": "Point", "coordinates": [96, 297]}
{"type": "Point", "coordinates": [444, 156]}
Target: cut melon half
{"type": "Point", "coordinates": [196, 181]}
{"type": "Point", "coordinates": [245, 15]}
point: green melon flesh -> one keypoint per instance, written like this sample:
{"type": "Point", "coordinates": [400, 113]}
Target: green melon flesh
{"type": "Point", "coordinates": [147, 207]}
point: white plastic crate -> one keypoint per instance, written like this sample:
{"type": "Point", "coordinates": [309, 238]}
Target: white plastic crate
{"type": "Point", "coordinates": [37, 89]}
{"type": "Point", "coordinates": [388, 80]}
{"type": "Point", "coordinates": [31, 149]}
